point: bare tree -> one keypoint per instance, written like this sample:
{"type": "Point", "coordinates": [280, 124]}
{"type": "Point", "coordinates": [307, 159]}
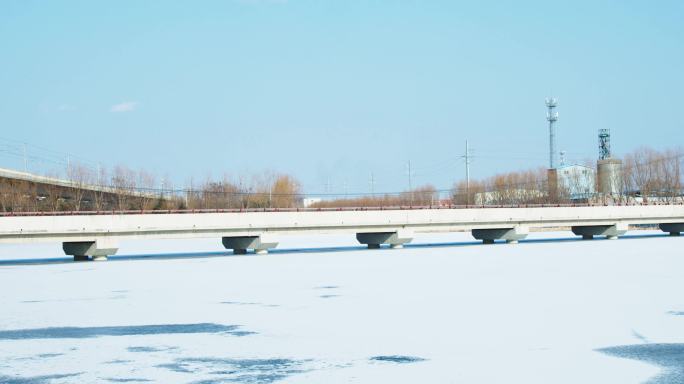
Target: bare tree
{"type": "Point", "coordinates": [123, 183]}
{"type": "Point", "coordinates": [654, 175]}
{"type": "Point", "coordinates": [99, 195]}
{"type": "Point", "coordinates": [286, 192]}
{"type": "Point", "coordinates": [146, 183]}
{"type": "Point", "coordinates": [80, 178]}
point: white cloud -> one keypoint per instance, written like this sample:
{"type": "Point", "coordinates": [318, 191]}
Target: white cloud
{"type": "Point", "coordinates": [65, 108]}
{"type": "Point", "coordinates": [126, 106]}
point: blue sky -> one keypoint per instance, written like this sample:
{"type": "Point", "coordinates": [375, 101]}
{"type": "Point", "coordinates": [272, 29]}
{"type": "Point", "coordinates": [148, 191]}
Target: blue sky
{"type": "Point", "coordinates": [330, 91]}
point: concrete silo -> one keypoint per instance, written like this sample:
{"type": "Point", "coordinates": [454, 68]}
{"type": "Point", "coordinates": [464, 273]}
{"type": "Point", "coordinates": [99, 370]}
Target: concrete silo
{"type": "Point", "coordinates": [609, 176]}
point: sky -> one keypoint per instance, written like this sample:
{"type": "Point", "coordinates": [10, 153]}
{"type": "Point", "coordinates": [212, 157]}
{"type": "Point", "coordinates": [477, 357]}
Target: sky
{"type": "Point", "coordinates": [333, 92]}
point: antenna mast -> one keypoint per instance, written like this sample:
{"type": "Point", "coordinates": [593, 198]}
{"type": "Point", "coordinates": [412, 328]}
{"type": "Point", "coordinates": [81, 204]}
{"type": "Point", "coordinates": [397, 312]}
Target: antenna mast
{"type": "Point", "coordinates": [552, 117]}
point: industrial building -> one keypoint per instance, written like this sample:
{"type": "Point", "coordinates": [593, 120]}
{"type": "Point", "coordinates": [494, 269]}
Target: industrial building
{"type": "Point", "coordinates": [579, 182]}
{"type": "Point", "coordinates": [576, 182]}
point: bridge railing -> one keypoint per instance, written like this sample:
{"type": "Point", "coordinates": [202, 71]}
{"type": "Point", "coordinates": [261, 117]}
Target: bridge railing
{"type": "Point", "coordinates": [380, 208]}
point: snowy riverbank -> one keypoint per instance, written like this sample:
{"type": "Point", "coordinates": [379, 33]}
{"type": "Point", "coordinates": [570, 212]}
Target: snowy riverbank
{"type": "Point", "coordinates": [442, 310]}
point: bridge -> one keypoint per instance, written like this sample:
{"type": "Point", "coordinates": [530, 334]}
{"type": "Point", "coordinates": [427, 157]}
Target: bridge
{"type": "Point", "coordinates": [27, 191]}
{"type": "Point", "coordinates": [95, 235]}
{"type": "Point", "coordinates": [10, 174]}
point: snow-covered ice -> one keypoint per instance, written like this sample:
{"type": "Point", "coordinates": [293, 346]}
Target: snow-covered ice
{"type": "Point", "coordinates": [322, 309]}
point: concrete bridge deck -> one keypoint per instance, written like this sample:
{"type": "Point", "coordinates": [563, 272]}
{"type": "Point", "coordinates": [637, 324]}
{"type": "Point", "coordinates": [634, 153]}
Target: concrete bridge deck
{"type": "Point", "coordinates": [96, 235]}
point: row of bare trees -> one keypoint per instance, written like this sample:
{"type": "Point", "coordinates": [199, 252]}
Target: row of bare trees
{"type": "Point", "coordinates": [268, 190]}
{"type": "Point", "coordinates": [653, 175]}
{"type": "Point", "coordinates": [526, 187]}
{"type": "Point", "coordinates": [422, 196]}
{"type": "Point", "coordinates": [125, 189]}
{"type": "Point", "coordinates": [645, 175]}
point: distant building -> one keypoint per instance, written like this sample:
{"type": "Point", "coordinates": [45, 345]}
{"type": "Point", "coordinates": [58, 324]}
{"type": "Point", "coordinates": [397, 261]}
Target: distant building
{"type": "Point", "coordinates": [577, 182]}
{"type": "Point", "coordinates": [309, 201]}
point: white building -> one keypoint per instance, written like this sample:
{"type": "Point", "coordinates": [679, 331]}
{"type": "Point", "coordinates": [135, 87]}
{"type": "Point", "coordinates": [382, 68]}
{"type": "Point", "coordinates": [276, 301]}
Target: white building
{"type": "Point", "coordinates": [309, 201]}
{"type": "Point", "coordinates": [578, 181]}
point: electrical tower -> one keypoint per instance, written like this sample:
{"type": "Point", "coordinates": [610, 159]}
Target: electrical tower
{"type": "Point", "coordinates": [552, 117]}
{"type": "Point", "coordinates": [604, 144]}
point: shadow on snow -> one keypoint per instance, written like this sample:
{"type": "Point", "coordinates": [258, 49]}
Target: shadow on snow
{"type": "Point", "coordinates": [670, 357]}
{"type": "Point", "coordinates": [199, 255]}
{"type": "Point", "coordinates": [91, 332]}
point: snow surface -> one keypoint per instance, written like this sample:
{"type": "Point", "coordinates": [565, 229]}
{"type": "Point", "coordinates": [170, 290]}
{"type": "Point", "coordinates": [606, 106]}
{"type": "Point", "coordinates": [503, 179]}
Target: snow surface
{"type": "Point", "coordinates": [322, 309]}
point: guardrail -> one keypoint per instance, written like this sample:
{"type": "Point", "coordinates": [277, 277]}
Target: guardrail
{"type": "Point", "coordinates": [335, 209]}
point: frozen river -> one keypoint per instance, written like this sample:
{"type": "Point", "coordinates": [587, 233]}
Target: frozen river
{"type": "Point", "coordinates": [442, 310]}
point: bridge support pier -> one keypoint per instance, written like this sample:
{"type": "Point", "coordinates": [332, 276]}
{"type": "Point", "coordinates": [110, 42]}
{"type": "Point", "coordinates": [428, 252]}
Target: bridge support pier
{"type": "Point", "coordinates": [240, 244]}
{"type": "Point", "coordinates": [511, 235]}
{"type": "Point", "coordinates": [611, 232]}
{"type": "Point", "coordinates": [395, 240]}
{"type": "Point", "coordinates": [675, 229]}
{"type": "Point", "coordinates": [97, 250]}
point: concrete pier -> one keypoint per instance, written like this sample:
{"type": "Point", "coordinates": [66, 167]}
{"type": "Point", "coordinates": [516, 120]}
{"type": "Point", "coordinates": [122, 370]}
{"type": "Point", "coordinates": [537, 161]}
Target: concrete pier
{"type": "Point", "coordinates": [675, 229]}
{"type": "Point", "coordinates": [511, 235]}
{"type": "Point", "coordinates": [240, 244]}
{"type": "Point", "coordinates": [395, 239]}
{"type": "Point", "coordinates": [612, 232]}
{"type": "Point", "coordinates": [98, 249]}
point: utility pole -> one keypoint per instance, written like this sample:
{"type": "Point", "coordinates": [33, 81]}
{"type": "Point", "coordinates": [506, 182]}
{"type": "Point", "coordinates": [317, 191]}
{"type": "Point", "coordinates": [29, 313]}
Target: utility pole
{"type": "Point", "coordinates": [409, 182]}
{"type": "Point", "coordinates": [467, 166]}
{"type": "Point", "coordinates": [372, 184]}
{"type": "Point", "coordinates": [68, 167]}
{"type": "Point", "coordinates": [188, 193]}
{"type": "Point", "coordinates": [25, 160]}
{"type": "Point", "coordinates": [409, 175]}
